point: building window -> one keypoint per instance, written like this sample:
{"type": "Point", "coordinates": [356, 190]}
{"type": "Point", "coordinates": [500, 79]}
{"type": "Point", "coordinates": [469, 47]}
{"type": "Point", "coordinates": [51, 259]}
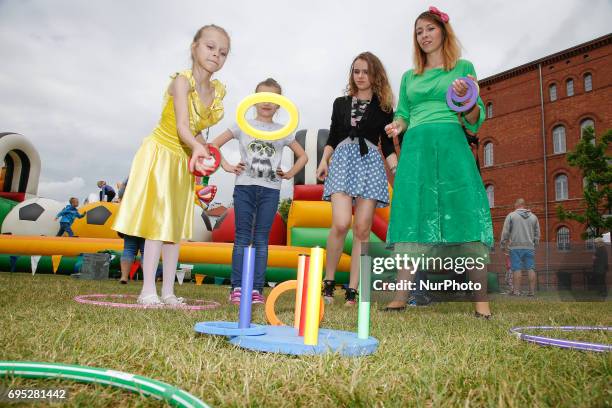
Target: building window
{"type": "Point", "coordinates": [552, 91]}
{"type": "Point", "coordinates": [561, 189]}
{"type": "Point", "coordinates": [563, 239]}
{"type": "Point", "coordinates": [569, 87]}
{"type": "Point", "coordinates": [588, 82]}
{"type": "Point", "coordinates": [559, 139]}
{"type": "Point", "coordinates": [585, 124]}
{"type": "Point", "coordinates": [488, 154]}
{"type": "Point", "coordinates": [589, 244]}
{"type": "Point", "coordinates": [490, 110]}
{"type": "Point", "coordinates": [491, 195]}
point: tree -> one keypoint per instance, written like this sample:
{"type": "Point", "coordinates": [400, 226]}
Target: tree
{"type": "Point", "coordinates": [591, 158]}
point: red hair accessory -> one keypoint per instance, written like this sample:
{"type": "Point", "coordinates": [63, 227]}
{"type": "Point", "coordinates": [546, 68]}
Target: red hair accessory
{"type": "Point", "coordinates": [443, 16]}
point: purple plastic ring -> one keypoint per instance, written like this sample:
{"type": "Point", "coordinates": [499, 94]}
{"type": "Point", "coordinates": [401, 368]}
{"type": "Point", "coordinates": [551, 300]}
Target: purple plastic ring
{"type": "Point", "coordinates": [471, 96]}
{"type": "Point", "coordinates": [563, 343]}
{"type": "Point", "coordinates": [91, 299]}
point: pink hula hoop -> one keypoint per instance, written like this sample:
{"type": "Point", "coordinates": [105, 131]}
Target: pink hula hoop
{"type": "Point", "coordinates": [90, 299]}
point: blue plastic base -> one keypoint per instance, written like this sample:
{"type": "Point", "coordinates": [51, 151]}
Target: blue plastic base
{"type": "Point", "coordinates": [229, 329]}
{"type": "Point", "coordinates": [284, 340]}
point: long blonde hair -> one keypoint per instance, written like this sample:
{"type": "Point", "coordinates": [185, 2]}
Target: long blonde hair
{"type": "Point", "coordinates": [378, 79]}
{"type": "Point", "coordinates": [451, 48]}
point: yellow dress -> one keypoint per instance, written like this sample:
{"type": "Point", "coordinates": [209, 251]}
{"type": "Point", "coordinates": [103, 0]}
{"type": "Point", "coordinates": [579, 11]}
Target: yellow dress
{"type": "Point", "coordinates": [158, 201]}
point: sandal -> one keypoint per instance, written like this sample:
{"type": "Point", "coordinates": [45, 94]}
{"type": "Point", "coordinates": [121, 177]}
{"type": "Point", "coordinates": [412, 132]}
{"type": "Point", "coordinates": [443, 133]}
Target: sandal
{"type": "Point", "coordinates": [172, 300]}
{"type": "Point", "coordinates": [149, 300]}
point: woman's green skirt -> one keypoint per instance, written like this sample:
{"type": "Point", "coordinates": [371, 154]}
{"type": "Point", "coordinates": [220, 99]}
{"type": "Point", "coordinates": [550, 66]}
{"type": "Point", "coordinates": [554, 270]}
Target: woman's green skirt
{"type": "Point", "coordinates": [439, 205]}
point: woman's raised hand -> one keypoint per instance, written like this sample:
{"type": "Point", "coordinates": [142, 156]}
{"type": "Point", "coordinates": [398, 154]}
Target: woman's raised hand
{"type": "Point", "coordinates": [461, 88]}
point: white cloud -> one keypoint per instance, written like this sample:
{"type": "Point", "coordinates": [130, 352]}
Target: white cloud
{"type": "Point", "coordinates": [58, 190]}
{"type": "Point", "coordinates": [84, 81]}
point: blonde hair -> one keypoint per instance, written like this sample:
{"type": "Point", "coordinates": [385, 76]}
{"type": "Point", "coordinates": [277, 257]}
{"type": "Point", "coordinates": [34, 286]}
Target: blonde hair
{"type": "Point", "coordinates": [378, 79]}
{"type": "Point", "coordinates": [451, 48]}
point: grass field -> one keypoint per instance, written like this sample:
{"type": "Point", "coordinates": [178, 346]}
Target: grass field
{"type": "Point", "coordinates": [439, 356]}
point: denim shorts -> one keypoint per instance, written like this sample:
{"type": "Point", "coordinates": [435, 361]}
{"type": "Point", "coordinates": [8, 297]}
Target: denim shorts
{"type": "Point", "coordinates": [131, 246]}
{"type": "Point", "coordinates": [522, 259]}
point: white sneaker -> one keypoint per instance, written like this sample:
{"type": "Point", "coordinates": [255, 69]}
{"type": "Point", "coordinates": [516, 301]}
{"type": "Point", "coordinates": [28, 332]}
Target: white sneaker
{"type": "Point", "coordinates": [173, 300]}
{"type": "Point", "coordinates": [149, 300]}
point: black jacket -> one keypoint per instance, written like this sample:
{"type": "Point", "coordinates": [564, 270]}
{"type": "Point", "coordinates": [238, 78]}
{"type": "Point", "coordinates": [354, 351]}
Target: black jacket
{"type": "Point", "coordinates": [370, 127]}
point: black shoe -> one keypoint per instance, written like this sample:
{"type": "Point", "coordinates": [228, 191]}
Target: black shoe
{"type": "Point", "coordinates": [123, 282]}
{"type": "Point", "coordinates": [350, 296]}
{"type": "Point", "coordinates": [483, 316]}
{"type": "Point", "coordinates": [329, 286]}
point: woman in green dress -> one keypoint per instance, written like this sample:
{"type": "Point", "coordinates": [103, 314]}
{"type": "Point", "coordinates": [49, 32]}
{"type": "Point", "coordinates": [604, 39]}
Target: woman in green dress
{"type": "Point", "coordinates": [439, 206]}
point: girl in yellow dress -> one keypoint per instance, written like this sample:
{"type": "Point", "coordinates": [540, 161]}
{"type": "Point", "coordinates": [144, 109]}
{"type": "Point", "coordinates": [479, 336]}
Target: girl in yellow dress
{"type": "Point", "coordinates": [158, 201]}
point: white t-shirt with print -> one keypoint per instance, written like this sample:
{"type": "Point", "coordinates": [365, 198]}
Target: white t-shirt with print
{"type": "Point", "coordinates": [262, 157]}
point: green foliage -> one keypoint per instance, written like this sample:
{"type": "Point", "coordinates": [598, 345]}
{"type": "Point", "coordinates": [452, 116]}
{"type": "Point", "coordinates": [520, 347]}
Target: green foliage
{"type": "Point", "coordinates": [283, 208]}
{"type": "Point", "coordinates": [590, 156]}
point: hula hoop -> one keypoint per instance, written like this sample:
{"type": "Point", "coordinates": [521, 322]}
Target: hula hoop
{"type": "Point", "coordinates": [216, 155]}
{"type": "Point", "coordinates": [273, 296]}
{"type": "Point", "coordinates": [206, 194]}
{"type": "Point", "coordinates": [119, 379]}
{"type": "Point", "coordinates": [271, 97]}
{"type": "Point", "coordinates": [90, 299]}
{"type": "Point", "coordinates": [471, 96]}
{"type": "Point", "coordinates": [563, 343]}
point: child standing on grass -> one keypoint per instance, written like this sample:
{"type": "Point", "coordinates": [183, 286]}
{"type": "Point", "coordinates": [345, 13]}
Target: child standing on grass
{"type": "Point", "coordinates": [158, 200]}
{"type": "Point", "coordinates": [352, 167]}
{"type": "Point", "coordinates": [66, 217]}
{"type": "Point", "coordinates": [257, 190]}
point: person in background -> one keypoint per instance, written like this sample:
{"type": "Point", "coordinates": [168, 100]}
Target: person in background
{"type": "Point", "coordinates": [107, 193]}
{"type": "Point", "coordinates": [131, 245]}
{"type": "Point", "coordinates": [600, 267]}
{"type": "Point", "coordinates": [66, 217]}
{"type": "Point", "coordinates": [521, 234]}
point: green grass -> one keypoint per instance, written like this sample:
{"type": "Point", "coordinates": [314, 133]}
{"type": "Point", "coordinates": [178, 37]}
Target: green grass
{"type": "Point", "coordinates": [438, 356]}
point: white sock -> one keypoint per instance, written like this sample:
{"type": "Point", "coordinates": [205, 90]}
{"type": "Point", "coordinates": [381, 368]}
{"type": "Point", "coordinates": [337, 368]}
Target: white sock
{"type": "Point", "coordinates": [170, 253]}
{"type": "Point", "coordinates": [149, 267]}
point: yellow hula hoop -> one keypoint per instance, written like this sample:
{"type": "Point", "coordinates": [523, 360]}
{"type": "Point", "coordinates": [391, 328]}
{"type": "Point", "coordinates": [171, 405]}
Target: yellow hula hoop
{"type": "Point", "coordinates": [273, 296]}
{"type": "Point", "coordinates": [271, 97]}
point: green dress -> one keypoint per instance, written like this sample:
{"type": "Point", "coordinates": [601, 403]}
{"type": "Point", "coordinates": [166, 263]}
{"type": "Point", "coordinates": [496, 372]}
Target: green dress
{"type": "Point", "coordinates": [439, 205]}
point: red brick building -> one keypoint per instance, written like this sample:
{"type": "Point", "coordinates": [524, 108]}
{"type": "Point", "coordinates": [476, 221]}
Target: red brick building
{"type": "Point", "coordinates": [534, 116]}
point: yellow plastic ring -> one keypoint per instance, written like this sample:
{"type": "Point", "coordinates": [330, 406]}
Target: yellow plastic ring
{"type": "Point", "coordinates": [271, 97]}
{"type": "Point", "coordinates": [273, 296]}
